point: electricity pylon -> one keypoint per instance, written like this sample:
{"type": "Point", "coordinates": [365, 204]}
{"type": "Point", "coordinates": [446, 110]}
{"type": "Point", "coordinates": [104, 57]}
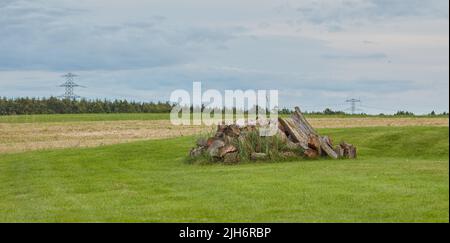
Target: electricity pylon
{"type": "Point", "coordinates": [353, 104]}
{"type": "Point", "coordinates": [69, 85]}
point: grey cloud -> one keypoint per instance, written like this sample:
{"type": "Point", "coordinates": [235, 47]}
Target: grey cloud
{"type": "Point", "coordinates": [170, 78]}
{"type": "Point", "coordinates": [356, 56]}
{"type": "Point", "coordinates": [35, 36]}
{"type": "Point", "coordinates": [336, 14]}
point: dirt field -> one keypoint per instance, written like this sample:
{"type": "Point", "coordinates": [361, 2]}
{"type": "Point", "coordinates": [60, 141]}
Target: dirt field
{"type": "Point", "coordinates": [36, 136]}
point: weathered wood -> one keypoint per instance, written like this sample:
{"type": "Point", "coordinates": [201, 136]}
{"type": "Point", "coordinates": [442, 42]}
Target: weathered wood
{"type": "Point", "coordinates": [294, 146]}
{"type": "Point", "coordinates": [349, 150]}
{"type": "Point", "coordinates": [311, 153]}
{"type": "Point", "coordinates": [298, 124]}
{"type": "Point", "coordinates": [297, 135]}
{"type": "Point", "coordinates": [322, 145]}
{"type": "Point", "coordinates": [315, 143]}
{"type": "Point", "coordinates": [227, 149]}
{"type": "Point", "coordinates": [327, 149]}
{"type": "Point", "coordinates": [214, 148]}
{"type": "Point", "coordinates": [352, 153]}
{"type": "Point", "coordinates": [339, 151]}
{"type": "Point", "coordinates": [258, 156]}
{"type": "Point", "coordinates": [328, 140]}
{"type": "Point", "coordinates": [298, 117]}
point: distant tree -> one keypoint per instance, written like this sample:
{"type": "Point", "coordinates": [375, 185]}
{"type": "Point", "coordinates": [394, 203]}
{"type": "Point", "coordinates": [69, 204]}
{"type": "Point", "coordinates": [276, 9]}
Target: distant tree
{"type": "Point", "coordinates": [53, 105]}
{"type": "Point", "coordinates": [285, 111]}
{"type": "Point", "coordinates": [404, 113]}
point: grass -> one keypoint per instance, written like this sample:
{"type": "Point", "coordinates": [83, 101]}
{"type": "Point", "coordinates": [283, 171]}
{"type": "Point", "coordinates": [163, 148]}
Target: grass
{"type": "Point", "coordinates": [150, 116]}
{"type": "Point", "coordinates": [401, 175]}
{"type": "Point", "coordinates": [83, 117]}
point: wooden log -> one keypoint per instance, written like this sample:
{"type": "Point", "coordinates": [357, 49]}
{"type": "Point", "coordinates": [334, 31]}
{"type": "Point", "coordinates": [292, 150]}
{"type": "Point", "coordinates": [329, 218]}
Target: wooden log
{"type": "Point", "coordinates": [294, 146]}
{"type": "Point", "coordinates": [349, 150]}
{"type": "Point", "coordinates": [315, 143]}
{"type": "Point", "coordinates": [339, 151]}
{"type": "Point", "coordinates": [300, 126]}
{"type": "Point", "coordinates": [301, 131]}
{"type": "Point", "coordinates": [327, 149]}
{"type": "Point", "coordinates": [311, 153]}
{"type": "Point", "coordinates": [227, 149]}
{"type": "Point", "coordinates": [298, 117]}
{"type": "Point", "coordinates": [328, 140]}
{"type": "Point", "coordinates": [352, 152]}
{"type": "Point", "coordinates": [297, 135]}
{"type": "Point", "coordinates": [258, 156]}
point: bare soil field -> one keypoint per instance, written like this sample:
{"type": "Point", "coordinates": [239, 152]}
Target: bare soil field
{"type": "Point", "coordinates": [20, 137]}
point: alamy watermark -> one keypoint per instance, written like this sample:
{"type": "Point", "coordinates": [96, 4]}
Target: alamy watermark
{"type": "Point", "coordinates": [249, 107]}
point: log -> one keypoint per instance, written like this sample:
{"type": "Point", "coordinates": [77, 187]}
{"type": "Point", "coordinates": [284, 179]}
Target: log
{"type": "Point", "coordinates": [298, 117]}
{"type": "Point", "coordinates": [227, 149]}
{"type": "Point", "coordinates": [214, 148]}
{"type": "Point", "coordinates": [328, 149]}
{"type": "Point", "coordinates": [315, 143]}
{"type": "Point", "coordinates": [349, 150]}
{"type": "Point", "coordinates": [295, 146]}
{"type": "Point", "coordinates": [319, 143]}
{"type": "Point", "coordinates": [328, 140]}
{"type": "Point", "coordinates": [258, 156]}
{"type": "Point", "coordinates": [311, 153]}
{"type": "Point", "coordinates": [297, 135]}
{"type": "Point", "coordinates": [339, 151]}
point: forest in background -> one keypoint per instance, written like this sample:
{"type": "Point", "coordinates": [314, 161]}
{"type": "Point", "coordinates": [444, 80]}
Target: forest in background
{"type": "Point", "coordinates": [53, 105]}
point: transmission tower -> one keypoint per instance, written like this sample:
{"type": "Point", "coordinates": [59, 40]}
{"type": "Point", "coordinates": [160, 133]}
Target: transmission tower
{"type": "Point", "coordinates": [353, 104]}
{"type": "Point", "coordinates": [69, 85]}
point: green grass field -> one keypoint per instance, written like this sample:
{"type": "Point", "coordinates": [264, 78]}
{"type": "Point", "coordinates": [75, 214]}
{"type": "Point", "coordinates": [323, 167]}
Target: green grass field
{"type": "Point", "coordinates": [149, 116]}
{"type": "Point", "coordinates": [83, 117]}
{"type": "Point", "coordinates": [401, 175]}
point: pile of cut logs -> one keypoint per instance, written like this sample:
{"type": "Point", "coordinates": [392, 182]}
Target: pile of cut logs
{"type": "Point", "coordinates": [302, 133]}
{"type": "Point", "coordinates": [295, 132]}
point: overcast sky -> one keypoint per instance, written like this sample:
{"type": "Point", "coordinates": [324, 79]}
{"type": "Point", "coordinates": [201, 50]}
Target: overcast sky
{"type": "Point", "coordinates": [392, 54]}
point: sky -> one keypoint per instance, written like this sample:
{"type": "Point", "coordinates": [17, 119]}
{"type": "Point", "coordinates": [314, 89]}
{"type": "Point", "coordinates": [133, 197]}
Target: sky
{"type": "Point", "coordinates": [391, 54]}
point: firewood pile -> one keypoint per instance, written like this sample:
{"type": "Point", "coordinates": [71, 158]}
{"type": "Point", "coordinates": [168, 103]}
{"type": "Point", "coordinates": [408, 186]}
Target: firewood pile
{"type": "Point", "coordinates": [232, 143]}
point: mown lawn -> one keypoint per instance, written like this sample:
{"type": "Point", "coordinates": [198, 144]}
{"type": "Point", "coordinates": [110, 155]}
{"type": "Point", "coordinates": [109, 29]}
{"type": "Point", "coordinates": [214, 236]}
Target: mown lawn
{"type": "Point", "coordinates": [401, 175]}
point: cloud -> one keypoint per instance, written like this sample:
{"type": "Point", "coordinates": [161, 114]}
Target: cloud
{"type": "Point", "coordinates": [316, 52]}
{"type": "Point", "coordinates": [356, 56]}
{"type": "Point", "coordinates": [337, 14]}
{"type": "Point", "coordinates": [35, 36]}
{"type": "Point", "coordinates": [341, 10]}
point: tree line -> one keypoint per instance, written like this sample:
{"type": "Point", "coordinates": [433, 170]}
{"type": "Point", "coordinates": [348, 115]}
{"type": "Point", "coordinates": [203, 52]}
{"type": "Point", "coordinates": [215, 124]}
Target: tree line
{"type": "Point", "coordinates": [53, 105]}
{"type": "Point", "coordinates": [328, 111]}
